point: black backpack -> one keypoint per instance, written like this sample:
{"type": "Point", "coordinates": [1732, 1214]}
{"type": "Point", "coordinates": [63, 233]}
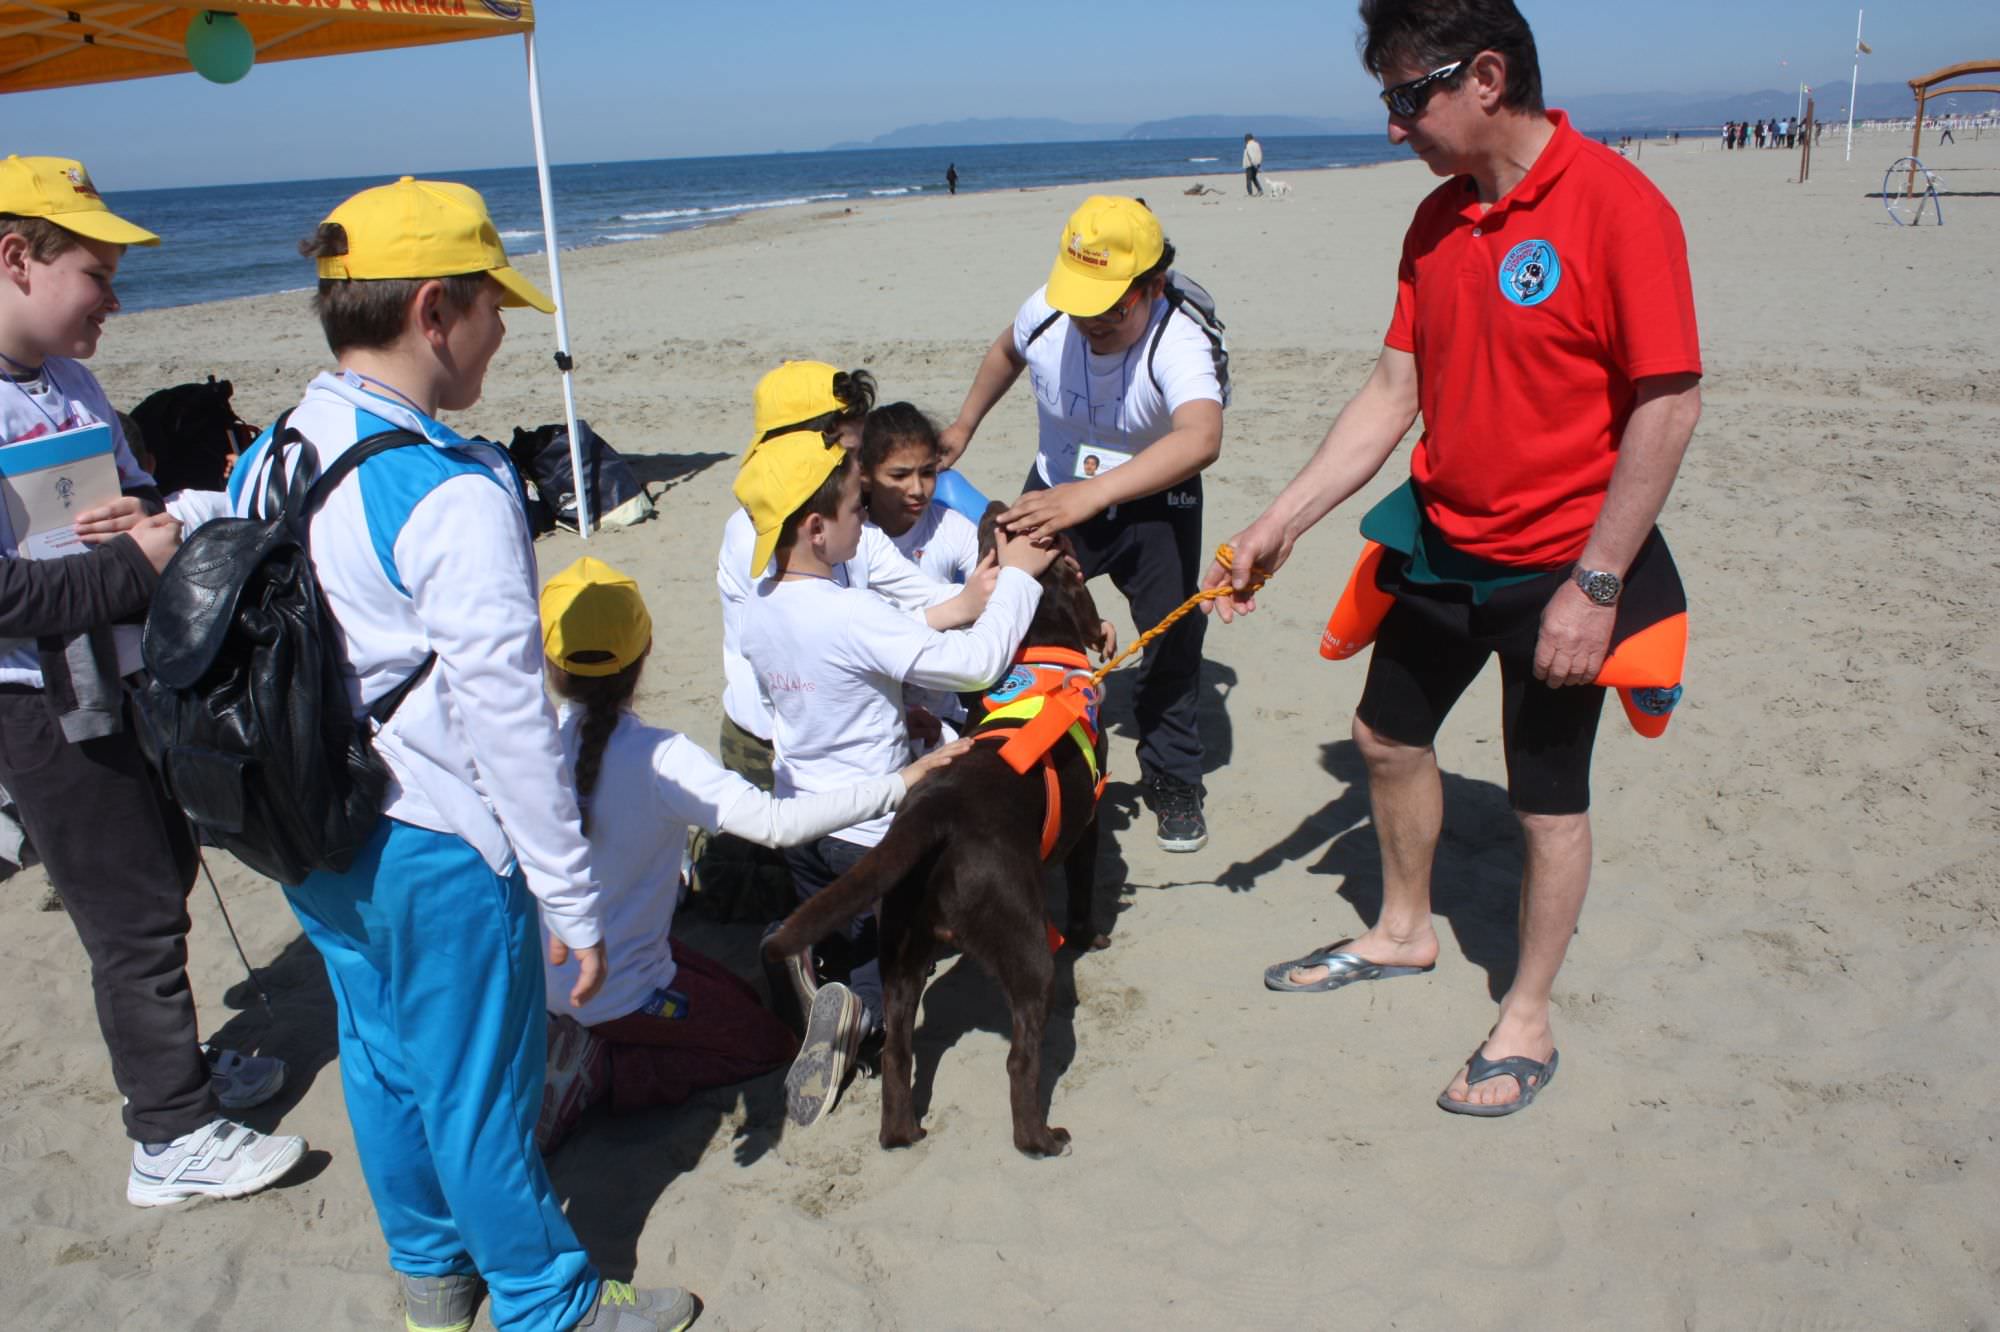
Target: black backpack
{"type": "Point", "coordinates": [1187, 297]}
{"type": "Point", "coordinates": [542, 456]}
{"type": "Point", "coordinates": [245, 713]}
{"type": "Point", "coordinates": [191, 430]}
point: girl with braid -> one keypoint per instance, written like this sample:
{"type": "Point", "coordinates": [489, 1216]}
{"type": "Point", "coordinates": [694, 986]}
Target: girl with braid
{"type": "Point", "coordinates": [668, 1022]}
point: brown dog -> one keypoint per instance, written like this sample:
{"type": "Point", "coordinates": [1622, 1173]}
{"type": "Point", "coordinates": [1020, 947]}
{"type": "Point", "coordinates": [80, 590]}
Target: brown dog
{"type": "Point", "coordinates": [962, 864]}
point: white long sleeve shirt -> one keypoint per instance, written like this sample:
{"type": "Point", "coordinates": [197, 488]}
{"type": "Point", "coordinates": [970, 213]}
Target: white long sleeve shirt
{"type": "Point", "coordinates": [654, 784]}
{"type": "Point", "coordinates": [427, 549]}
{"type": "Point", "coordinates": [833, 660]}
{"type": "Point", "coordinates": [877, 566]}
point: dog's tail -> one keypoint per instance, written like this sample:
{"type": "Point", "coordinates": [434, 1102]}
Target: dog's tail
{"type": "Point", "coordinates": [907, 847]}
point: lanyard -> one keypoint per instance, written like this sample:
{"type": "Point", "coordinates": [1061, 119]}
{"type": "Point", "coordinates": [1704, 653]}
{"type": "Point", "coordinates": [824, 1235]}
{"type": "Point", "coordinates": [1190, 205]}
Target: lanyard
{"type": "Point", "coordinates": [1124, 388]}
{"type": "Point", "coordinates": [389, 388]}
{"type": "Point", "coordinates": [44, 373]}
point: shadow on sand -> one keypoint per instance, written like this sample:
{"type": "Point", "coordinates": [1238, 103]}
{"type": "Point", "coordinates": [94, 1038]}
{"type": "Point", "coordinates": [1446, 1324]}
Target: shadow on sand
{"type": "Point", "coordinates": [1476, 881]}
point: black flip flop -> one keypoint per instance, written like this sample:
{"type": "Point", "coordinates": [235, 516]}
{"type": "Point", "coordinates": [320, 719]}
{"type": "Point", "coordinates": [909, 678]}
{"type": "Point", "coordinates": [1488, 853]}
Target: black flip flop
{"type": "Point", "coordinates": [1341, 969]}
{"type": "Point", "coordinates": [1530, 1076]}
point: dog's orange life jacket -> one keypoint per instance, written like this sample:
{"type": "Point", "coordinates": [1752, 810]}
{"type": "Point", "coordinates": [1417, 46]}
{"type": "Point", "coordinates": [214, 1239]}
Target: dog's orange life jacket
{"type": "Point", "coordinates": [1047, 690]}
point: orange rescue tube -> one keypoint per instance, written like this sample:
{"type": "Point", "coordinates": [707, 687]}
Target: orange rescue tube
{"type": "Point", "coordinates": [1360, 610]}
{"type": "Point", "coordinates": [1645, 668]}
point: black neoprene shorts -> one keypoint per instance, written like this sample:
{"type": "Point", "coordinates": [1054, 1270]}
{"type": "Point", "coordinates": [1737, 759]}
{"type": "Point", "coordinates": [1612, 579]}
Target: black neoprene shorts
{"type": "Point", "coordinates": [1420, 667]}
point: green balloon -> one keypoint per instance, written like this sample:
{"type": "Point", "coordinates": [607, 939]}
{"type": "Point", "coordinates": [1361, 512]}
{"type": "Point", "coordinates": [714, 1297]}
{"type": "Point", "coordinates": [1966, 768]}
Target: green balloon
{"type": "Point", "coordinates": [220, 47]}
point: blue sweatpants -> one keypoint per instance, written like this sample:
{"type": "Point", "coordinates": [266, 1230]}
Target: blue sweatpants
{"type": "Point", "coordinates": [434, 964]}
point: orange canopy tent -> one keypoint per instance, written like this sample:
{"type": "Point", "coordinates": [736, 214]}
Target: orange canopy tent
{"type": "Point", "coordinates": [72, 42]}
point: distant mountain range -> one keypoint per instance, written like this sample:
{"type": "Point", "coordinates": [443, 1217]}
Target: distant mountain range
{"type": "Point", "coordinates": [1594, 111]}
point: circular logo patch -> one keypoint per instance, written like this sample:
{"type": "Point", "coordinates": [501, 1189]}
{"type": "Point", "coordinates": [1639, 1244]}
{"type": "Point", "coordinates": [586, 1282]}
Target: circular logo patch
{"type": "Point", "coordinates": [1009, 688]}
{"type": "Point", "coordinates": [1530, 273]}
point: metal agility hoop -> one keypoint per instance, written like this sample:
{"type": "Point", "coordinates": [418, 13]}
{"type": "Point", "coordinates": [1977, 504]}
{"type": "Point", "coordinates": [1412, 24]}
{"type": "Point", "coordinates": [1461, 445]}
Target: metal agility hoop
{"type": "Point", "coordinates": [1906, 206]}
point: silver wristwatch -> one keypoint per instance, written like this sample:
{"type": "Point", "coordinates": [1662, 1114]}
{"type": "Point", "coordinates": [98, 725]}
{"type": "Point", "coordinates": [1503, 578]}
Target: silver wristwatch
{"type": "Point", "coordinates": [1602, 588]}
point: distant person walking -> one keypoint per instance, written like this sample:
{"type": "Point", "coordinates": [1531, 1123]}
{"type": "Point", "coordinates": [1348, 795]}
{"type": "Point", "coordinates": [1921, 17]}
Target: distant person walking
{"type": "Point", "coordinates": [1944, 133]}
{"type": "Point", "coordinates": [1253, 162]}
{"type": "Point", "coordinates": [951, 177]}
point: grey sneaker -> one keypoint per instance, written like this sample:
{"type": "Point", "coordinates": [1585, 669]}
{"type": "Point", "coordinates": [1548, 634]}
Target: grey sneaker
{"type": "Point", "coordinates": [799, 970]}
{"type": "Point", "coordinates": [241, 1081]}
{"type": "Point", "coordinates": [1177, 806]}
{"type": "Point", "coordinates": [833, 1034]}
{"type": "Point", "coordinates": [221, 1159]}
{"type": "Point", "coordinates": [441, 1303]}
{"type": "Point", "coordinates": [620, 1308]}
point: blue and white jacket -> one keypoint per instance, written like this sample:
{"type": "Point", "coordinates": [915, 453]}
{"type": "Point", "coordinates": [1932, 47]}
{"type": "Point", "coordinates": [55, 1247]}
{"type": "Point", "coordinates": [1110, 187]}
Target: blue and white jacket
{"type": "Point", "coordinates": [427, 549]}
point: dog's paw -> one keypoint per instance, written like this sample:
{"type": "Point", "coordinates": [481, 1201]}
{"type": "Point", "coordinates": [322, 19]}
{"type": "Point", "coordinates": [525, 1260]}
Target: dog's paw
{"type": "Point", "coordinates": [1084, 938]}
{"type": "Point", "coordinates": [1051, 1142]}
{"type": "Point", "coordinates": [892, 1139]}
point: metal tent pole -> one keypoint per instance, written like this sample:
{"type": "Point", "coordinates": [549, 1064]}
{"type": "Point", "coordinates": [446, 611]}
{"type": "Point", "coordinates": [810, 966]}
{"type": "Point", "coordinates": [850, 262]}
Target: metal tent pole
{"type": "Point", "coordinates": [584, 497]}
{"type": "Point", "coordinates": [1854, 86]}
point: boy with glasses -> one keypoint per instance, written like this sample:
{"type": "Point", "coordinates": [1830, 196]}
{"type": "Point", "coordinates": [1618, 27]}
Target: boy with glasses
{"type": "Point", "coordinates": [1129, 402]}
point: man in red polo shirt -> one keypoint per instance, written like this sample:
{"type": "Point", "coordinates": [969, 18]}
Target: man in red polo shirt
{"type": "Point", "coordinates": [1544, 327]}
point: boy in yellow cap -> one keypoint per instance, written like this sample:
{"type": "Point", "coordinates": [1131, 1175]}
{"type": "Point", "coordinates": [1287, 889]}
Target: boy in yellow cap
{"type": "Point", "coordinates": [791, 397]}
{"type": "Point", "coordinates": [430, 938]}
{"type": "Point", "coordinates": [117, 849]}
{"type": "Point", "coordinates": [669, 1021]}
{"type": "Point", "coordinates": [833, 660]}
{"type": "Point", "coordinates": [1129, 391]}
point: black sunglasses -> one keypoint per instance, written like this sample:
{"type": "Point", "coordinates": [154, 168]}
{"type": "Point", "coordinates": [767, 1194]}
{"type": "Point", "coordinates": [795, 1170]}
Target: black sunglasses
{"type": "Point", "coordinates": [1120, 307]}
{"type": "Point", "coordinates": [1409, 99]}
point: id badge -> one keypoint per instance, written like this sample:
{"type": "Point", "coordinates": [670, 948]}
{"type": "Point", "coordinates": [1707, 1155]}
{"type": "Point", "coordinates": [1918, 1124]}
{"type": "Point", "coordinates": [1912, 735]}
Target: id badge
{"type": "Point", "coordinates": [1096, 460]}
{"type": "Point", "coordinates": [665, 1003]}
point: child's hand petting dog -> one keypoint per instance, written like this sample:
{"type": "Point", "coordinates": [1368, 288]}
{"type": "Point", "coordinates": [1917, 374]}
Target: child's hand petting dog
{"type": "Point", "coordinates": [969, 604]}
{"type": "Point", "coordinates": [934, 760]}
{"type": "Point", "coordinates": [1032, 555]}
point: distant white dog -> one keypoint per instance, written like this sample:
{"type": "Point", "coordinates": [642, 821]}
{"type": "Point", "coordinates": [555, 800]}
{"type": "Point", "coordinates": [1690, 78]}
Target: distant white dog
{"type": "Point", "coordinates": [1277, 189]}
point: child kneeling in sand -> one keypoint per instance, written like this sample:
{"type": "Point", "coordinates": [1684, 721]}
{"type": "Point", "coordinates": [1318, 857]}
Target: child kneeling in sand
{"type": "Point", "coordinates": [669, 1021]}
{"type": "Point", "coordinates": [899, 475]}
{"type": "Point", "coordinates": [833, 661]}
{"type": "Point", "coordinates": [799, 396]}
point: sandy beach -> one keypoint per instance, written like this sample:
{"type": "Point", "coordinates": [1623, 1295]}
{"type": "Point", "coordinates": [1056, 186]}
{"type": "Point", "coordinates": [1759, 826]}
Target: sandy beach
{"type": "Point", "coordinates": [1777, 1099]}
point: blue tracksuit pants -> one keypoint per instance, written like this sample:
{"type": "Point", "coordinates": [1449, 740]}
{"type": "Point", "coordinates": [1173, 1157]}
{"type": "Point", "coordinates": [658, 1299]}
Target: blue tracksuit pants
{"type": "Point", "coordinates": [434, 964]}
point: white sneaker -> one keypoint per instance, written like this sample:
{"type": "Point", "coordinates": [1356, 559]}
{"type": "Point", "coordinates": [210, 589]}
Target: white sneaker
{"type": "Point", "coordinates": [241, 1080]}
{"type": "Point", "coordinates": [221, 1159]}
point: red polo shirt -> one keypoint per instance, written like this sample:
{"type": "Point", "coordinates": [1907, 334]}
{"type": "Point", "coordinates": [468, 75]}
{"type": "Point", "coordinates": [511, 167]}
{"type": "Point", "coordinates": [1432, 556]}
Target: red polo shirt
{"type": "Point", "coordinates": [1530, 323]}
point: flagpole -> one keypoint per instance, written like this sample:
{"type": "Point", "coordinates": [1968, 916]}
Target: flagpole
{"type": "Point", "coordinates": [1854, 88]}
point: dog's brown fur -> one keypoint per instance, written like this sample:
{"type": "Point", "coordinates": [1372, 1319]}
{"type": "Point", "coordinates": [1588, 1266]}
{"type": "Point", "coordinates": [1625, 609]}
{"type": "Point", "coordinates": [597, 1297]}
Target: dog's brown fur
{"type": "Point", "coordinates": [961, 864]}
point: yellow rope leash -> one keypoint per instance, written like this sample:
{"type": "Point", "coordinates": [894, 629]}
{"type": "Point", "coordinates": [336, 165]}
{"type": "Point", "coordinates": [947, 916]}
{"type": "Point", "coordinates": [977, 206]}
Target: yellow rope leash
{"type": "Point", "coordinates": [1225, 557]}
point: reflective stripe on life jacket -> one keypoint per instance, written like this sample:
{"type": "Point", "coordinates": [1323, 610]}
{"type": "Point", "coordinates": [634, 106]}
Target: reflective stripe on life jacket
{"type": "Point", "coordinates": [1046, 690]}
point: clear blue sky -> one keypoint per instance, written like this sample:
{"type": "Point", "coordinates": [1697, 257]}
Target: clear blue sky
{"type": "Point", "coordinates": [629, 79]}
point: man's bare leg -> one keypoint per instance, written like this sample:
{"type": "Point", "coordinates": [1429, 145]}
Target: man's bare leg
{"type": "Point", "coordinates": [1406, 796]}
{"type": "Point", "coordinates": [1552, 890]}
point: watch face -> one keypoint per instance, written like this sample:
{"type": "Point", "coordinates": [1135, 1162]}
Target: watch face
{"type": "Point", "coordinates": [1601, 588]}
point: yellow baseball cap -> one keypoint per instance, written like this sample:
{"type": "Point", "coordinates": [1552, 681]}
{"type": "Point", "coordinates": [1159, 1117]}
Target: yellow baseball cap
{"type": "Point", "coordinates": [1105, 244]}
{"type": "Point", "coordinates": [791, 395]}
{"type": "Point", "coordinates": [591, 609]}
{"type": "Point", "coordinates": [425, 229]}
{"type": "Point", "coordinates": [779, 476]}
{"type": "Point", "coordinates": [59, 189]}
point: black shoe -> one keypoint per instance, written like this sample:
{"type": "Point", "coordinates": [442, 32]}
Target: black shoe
{"type": "Point", "coordinates": [1177, 805]}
